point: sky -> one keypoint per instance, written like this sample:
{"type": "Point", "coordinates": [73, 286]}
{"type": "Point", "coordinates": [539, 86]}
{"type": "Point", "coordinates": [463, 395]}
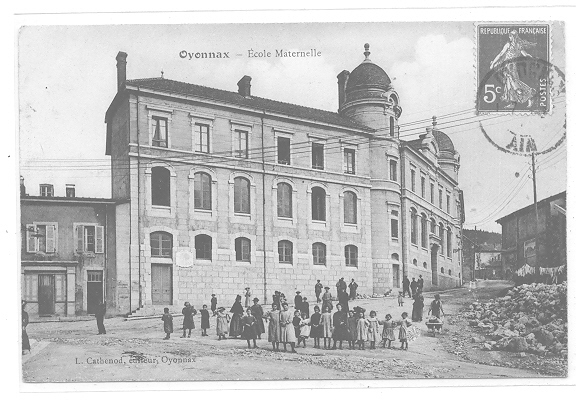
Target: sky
{"type": "Point", "coordinates": [67, 79]}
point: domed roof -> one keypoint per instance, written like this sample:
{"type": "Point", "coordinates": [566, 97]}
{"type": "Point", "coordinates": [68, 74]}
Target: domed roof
{"type": "Point", "coordinates": [368, 74]}
{"type": "Point", "coordinates": [444, 142]}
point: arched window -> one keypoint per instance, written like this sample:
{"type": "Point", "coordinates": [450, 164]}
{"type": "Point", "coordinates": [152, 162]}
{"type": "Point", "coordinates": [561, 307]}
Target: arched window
{"type": "Point", "coordinates": [441, 235]}
{"type": "Point", "coordinates": [450, 272]}
{"type": "Point", "coordinates": [161, 244]}
{"type": "Point", "coordinates": [160, 186]}
{"type": "Point", "coordinates": [318, 204]}
{"type": "Point", "coordinates": [425, 265]}
{"type": "Point", "coordinates": [415, 262]}
{"type": "Point", "coordinates": [202, 191]}
{"type": "Point", "coordinates": [285, 251]}
{"type": "Point", "coordinates": [351, 255]}
{"type": "Point", "coordinates": [432, 226]}
{"type": "Point", "coordinates": [413, 226]}
{"type": "Point", "coordinates": [424, 230]}
{"type": "Point", "coordinates": [442, 270]}
{"type": "Point", "coordinates": [449, 242]}
{"type": "Point", "coordinates": [395, 257]}
{"type": "Point", "coordinates": [203, 244]}
{"type": "Point", "coordinates": [284, 197]}
{"type": "Point", "coordinates": [319, 253]}
{"type": "Point", "coordinates": [242, 245]}
{"type": "Point", "coordinates": [350, 203]}
{"type": "Point", "coordinates": [241, 195]}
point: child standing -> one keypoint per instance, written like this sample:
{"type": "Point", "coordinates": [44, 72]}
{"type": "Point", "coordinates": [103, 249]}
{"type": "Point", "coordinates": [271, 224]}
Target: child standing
{"type": "Point", "coordinates": [403, 334]}
{"type": "Point", "coordinates": [304, 329]}
{"type": "Point", "coordinates": [296, 322]}
{"type": "Point", "coordinates": [204, 319]}
{"type": "Point", "coordinates": [326, 326]}
{"type": "Point", "coordinates": [400, 299]}
{"type": "Point", "coordinates": [352, 329]}
{"type": "Point", "coordinates": [222, 320]}
{"type": "Point", "coordinates": [373, 329]}
{"type": "Point", "coordinates": [213, 303]}
{"type": "Point", "coordinates": [388, 330]}
{"type": "Point", "coordinates": [315, 328]}
{"type": "Point", "coordinates": [168, 324]}
{"type": "Point", "coordinates": [362, 330]}
{"type": "Point", "coordinates": [249, 328]}
{"type": "Point", "coordinates": [305, 307]}
{"type": "Point", "coordinates": [273, 318]}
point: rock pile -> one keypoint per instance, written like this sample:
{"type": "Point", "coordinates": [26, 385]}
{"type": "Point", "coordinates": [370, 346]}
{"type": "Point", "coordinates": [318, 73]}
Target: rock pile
{"type": "Point", "coordinates": [530, 318]}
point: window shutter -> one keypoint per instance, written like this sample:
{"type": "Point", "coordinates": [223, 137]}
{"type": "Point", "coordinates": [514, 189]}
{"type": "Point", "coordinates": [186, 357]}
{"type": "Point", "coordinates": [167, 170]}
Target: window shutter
{"type": "Point", "coordinates": [99, 239]}
{"type": "Point", "coordinates": [31, 243]}
{"type": "Point", "coordinates": [79, 238]}
{"type": "Point", "coordinates": [50, 239]}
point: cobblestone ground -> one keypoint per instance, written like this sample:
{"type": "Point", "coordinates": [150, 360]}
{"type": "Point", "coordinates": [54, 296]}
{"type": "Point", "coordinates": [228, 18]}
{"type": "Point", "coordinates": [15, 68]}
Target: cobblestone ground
{"type": "Point", "coordinates": [136, 351]}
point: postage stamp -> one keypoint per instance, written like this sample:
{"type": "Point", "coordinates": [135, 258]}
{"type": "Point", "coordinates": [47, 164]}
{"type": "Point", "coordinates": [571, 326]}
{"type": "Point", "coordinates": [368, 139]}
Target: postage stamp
{"type": "Point", "coordinates": [512, 63]}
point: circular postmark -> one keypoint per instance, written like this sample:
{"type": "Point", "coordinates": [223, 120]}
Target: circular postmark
{"type": "Point", "coordinates": [530, 116]}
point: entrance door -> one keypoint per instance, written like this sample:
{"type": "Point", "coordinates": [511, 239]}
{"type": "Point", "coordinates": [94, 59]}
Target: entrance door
{"type": "Point", "coordinates": [45, 294]}
{"type": "Point", "coordinates": [434, 264]}
{"type": "Point", "coordinates": [95, 291]}
{"type": "Point", "coordinates": [396, 275]}
{"type": "Point", "coordinates": [161, 284]}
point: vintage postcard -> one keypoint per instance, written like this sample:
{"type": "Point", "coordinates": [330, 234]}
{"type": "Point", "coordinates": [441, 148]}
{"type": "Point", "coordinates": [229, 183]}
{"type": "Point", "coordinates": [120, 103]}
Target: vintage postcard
{"type": "Point", "coordinates": [319, 201]}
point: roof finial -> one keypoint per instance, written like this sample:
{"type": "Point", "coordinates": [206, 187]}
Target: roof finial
{"type": "Point", "coordinates": [367, 51]}
{"type": "Point", "coordinates": [162, 74]}
{"type": "Point", "coordinates": [434, 122]}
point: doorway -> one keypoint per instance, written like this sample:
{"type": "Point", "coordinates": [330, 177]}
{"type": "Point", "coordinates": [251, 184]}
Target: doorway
{"type": "Point", "coordinates": [94, 291]}
{"type": "Point", "coordinates": [396, 275]}
{"type": "Point", "coordinates": [162, 284]}
{"type": "Point", "coordinates": [434, 264]}
{"type": "Point", "coordinates": [46, 294]}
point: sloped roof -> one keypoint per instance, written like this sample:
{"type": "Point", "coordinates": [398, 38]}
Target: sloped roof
{"type": "Point", "coordinates": [368, 74]}
{"type": "Point", "coordinates": [292, 110]}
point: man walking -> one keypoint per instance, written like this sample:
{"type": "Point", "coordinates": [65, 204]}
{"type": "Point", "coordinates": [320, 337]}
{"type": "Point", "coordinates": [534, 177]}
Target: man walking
{"type": "Point", "coordinates": [318, 290]}
{"type": "Point", "coordinates": [100, 312]}
{"type": "Point", "coordinates": [353, 287]}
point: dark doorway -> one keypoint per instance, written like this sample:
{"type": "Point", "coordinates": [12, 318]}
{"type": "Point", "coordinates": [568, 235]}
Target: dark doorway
{"type": "Point", "coordinates": [45, 294]}
{"type": "Point", "coordinates": [434, 264]}
{"type": "Point", "coordinates": [162, 284]}
{"type": "Point", "coordinates": [94, 291]}
{"type": "Point", "coordinates": [396, 275]}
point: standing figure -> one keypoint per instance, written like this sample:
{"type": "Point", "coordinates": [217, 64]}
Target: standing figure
{"type": "Point", "coordinates": [298, 301]}
{"type": "Point", "coordinates": [420, 283]}
{"type": "Point", "coordinates": [304, 329]}
{"type": "Point", "coordinates": [213, 303]}
{"type": "Point", "coordinates": [403, 333]}
{"type": "Point", "coordinates": [400, 298]}
{"type": "Point", "coordinates": [249, 328]}
{"type": "Point", "coordinates": [296, 321]}
{"type": "Point", "coordinates": [100, 313]}
{"type": "Point", "coordinates": [222, 320]}
{"type": "Point", "coordinates": [305, 307]}
{"type": "Point", "coordinates": [352, 329]}
{"type": "Point", "coordinates": [237, 311]}
{"type": "Point", "coordinates": [276, 299]}
{"type": "Point", "coordinates": [418, 307]}
{"type": "Point", "coordinates": [258, 313]}
{"type": "Point", "coordinates": [287, 334]}
{"type": "Point", "coordinates": [340, 320]}
{"type": "Point", "coordinates": [353, 287]}
{"type": "Point", "coordinates": [247, 296]}
{"type": "Point", "coordinates": [344, 302]}
{"type": "Point", "coordinates": [168, 323]}
{"type": "Point", "coordinates": [373, 329]}
{"type": "Point", "coordinates": [362, 330]}
{"type": "Point", "coordinates": [406, 286]}
{"type": "Point", "coordinates": [318, 290]}
{"type": "Point", "coordinates": [315, 328]}
{"type": "Point", "coordinates": [436, 307]}
{"type": "Point", "coordinates": [340, 288]}
{"type": "Point", "coordinates": [326, 326]}
{"type": "Point", "coordinates": [414, 287]}
{"type": "Point", "coordinates": [327, 299]}
{"type": "Point", "coordinates": [388, 331]}
{"type": "Point", "coordinates": [189, 312]}
{"type": "Point", "coordinates": [204, 320]}
{"type": "Point", "coordinates": [273, 318]}
{"type": "Point", "coordinates": [25, 321]}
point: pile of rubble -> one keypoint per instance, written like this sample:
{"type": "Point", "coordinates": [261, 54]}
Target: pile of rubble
{"type": "Point", "coordinates": [530, 318]}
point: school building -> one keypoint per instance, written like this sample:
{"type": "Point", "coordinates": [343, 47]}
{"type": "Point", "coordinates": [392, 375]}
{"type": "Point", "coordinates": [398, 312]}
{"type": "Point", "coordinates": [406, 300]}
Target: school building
{"type": "Point", "coordinates": [225, 189]}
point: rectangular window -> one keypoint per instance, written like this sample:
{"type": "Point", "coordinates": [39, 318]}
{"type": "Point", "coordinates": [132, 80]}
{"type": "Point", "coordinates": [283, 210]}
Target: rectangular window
{"type": "Point", "coordinates": [317, 156]}
{"type": "Point", "coordinates": [440, 198]}
{"type": "Point", "coordinates": [413, 180]}
{"type": "Point", "coordinates": [423, 187]}
{"type": "Point", "coordinates": [70, 191]}
{"type": "Point", "coordinates": [393, 170]}
{"type": "Point", "coordinates": [432, 193]}
{"type": "Point", "coordinates": [159, 131]}
{"type": "Point", "coordinates": [89, 238]}
{"type": "Point", "coordinates": [202, 136]}
{"type": "Point", "coordinates": [47, 190]}
{"type": "Point", "coordinates": [349, 161]}
{"type": "Point", "coordinates": [283, 150]}
{"type": "Point", "coordinates": [41, 238]}
{"type": "Point", "coordinates": [241, 144]}
{"type": "Point", "coordinates": [392, 126]}
{"type": "Point", "coordinates": [448, 203]}
{"type": "Point", "coordinates": [394, 228]}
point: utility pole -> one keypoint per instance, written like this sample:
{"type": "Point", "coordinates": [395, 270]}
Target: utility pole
{"type": "Point", "coordinates": [474, 257]}
{"type": "Point", "coordinates": [537, 267]}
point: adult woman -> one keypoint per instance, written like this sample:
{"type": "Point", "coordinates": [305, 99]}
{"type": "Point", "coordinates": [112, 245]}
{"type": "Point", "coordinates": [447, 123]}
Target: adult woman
{"type": "Point", "coordinates": [258, 313]}
{"type": "Point", "coordinates": [340, 321]}
{"type": "Point", "coordinates": [25, 321]}
{"type": "Point", "coordinates": [418, 307]}
{"type": "Point", "coordinates": [436, 307]}
{"type": "Point", "coordinates": [273, 318]}
{"type": "Point", "coordinates": [315, 328]}
{"type": "Point", "coordinates": [235, 324]}
{"type": "Point", "coordinates": [287, 334]}
{"type": "Point", "coordinates": [188, 324]}
{"type": "Point", "coordinates": [326, 326]}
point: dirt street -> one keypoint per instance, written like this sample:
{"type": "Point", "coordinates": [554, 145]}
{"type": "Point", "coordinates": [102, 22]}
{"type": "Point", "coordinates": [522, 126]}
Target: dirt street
{"type": "Point", "coordinates": [72, 352]}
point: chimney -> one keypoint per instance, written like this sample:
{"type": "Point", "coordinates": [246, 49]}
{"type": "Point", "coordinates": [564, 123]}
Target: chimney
{"type": "Point", "coordinates": [342, 82]}
{"type": "Point", "coordinates": [121, 68]}
{"type": "Point", "coordinates": [244, 86]}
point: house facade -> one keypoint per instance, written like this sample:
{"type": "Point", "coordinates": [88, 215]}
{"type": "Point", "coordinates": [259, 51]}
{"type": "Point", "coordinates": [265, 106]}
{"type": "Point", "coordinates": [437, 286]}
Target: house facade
{"type": "Point", "coordinates": [225, 190]}
{"type": "Point", "coordinates": [67, 256]}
